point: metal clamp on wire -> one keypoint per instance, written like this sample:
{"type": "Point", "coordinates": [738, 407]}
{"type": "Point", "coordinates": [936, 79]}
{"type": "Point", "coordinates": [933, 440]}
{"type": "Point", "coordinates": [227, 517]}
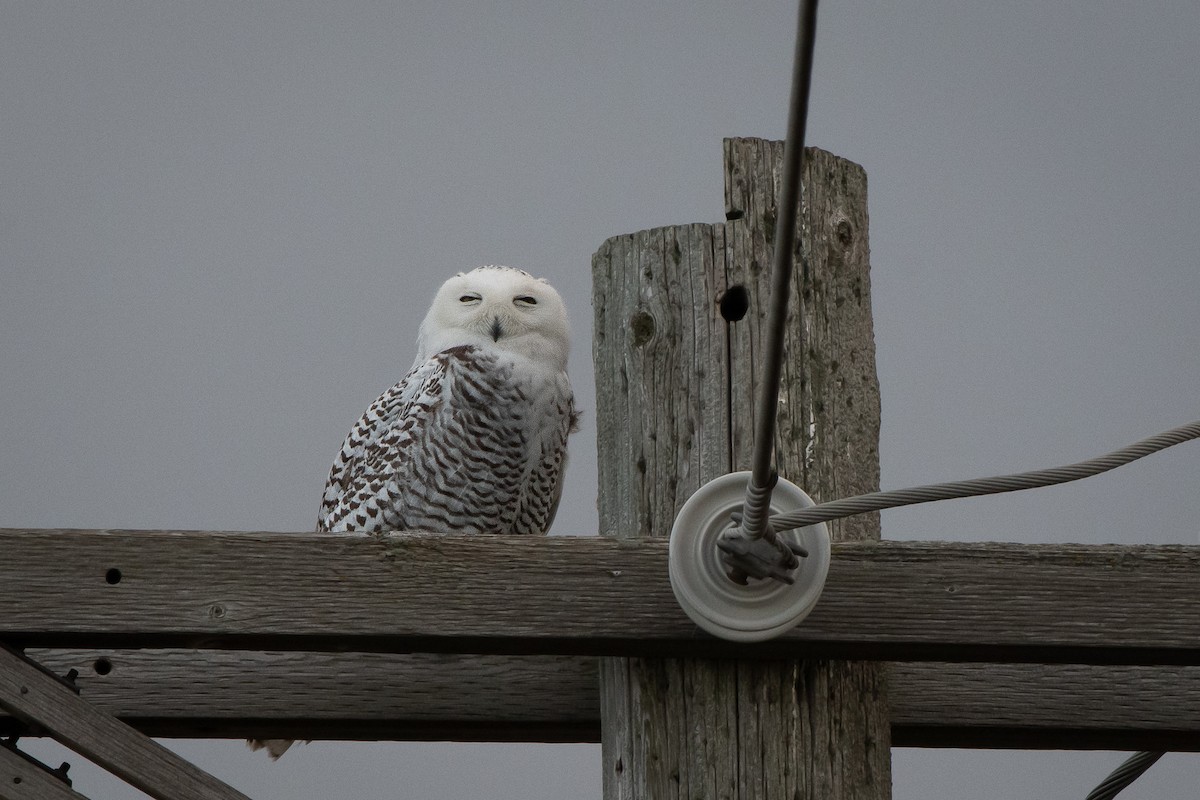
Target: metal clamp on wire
{"type": "Point", "coordinates": [751, 549]}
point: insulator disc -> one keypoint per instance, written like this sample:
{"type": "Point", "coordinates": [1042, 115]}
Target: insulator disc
{"type": "Point", "coordinates": [762, 609]}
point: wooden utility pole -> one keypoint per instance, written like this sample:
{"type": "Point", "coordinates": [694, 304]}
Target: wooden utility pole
{"type": "Point", "coordinates": [679, 318]}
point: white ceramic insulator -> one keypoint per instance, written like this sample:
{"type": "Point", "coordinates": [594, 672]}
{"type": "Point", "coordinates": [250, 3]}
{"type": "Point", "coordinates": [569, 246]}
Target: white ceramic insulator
{"type": "Point", "coordinates": [762, 609]}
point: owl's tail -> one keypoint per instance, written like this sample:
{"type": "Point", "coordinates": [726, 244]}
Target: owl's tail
{"type": "Point", "coordinates": [274, 747]}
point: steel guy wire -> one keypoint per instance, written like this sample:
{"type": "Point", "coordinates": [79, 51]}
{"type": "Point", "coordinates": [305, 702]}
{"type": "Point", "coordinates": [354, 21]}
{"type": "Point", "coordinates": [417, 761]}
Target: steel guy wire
{"type": "Point", "coordinates": [755, 525]}
{"type": "Point", "coordinates": [877, 501]}
{"type": "Point", "coordinates": [1124, 775]}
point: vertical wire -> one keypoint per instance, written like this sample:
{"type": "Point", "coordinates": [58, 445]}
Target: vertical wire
{"type": "Point", "coordinates": [762, 476]}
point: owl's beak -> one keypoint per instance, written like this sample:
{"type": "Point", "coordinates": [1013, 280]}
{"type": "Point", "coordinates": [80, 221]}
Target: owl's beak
{"type": "Point", "coordinates": [496, 330]}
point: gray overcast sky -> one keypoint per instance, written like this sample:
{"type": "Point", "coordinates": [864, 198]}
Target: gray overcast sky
{"type": "Point", "coordinates": [220, 224]}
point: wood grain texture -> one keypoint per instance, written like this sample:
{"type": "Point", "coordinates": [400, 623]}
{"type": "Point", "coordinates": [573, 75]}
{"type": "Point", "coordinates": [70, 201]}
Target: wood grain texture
{"type": "Point", "coordinates": [34, 696]}
{"type": "Point", "coordinates": [21, 779]}
{"type": "Point", "coordinates": [895, 601]}
{"type": "Point", "coordinates": [659, 347]}
{"type": "Point", "coordinates": [668, 365]}
{"type": "Point", "coordinates": [369, 696]}
{"type": "Point", "coordinates": [827, 420]}
{"type": "Point", "coordinates": [435, 697]}
{"type": "Point", "coordinates": [1052, 706]}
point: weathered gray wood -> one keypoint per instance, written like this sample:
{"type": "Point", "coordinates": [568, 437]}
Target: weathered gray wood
{"type": "Point", "coordinates": [827, 433]}
{"type": "Point", "coordinates": [1052, 706]}
{"type": "Point", "coordinates": [586, 596]}
{"type": "Point", "coordinates": [34, 696]}
{"type": "Point", "coordinates": [828, 414]}
{"type": "Point", "coordinates": [675, 385]}
{"type": "Point", "coordinates": [21, 779]}
{"type": "Point", "coordinates": [659, 348]}
{"type": "Point", "coordinates": [422, 697]}
{"type": "Point", "coordinates": [415, 697]}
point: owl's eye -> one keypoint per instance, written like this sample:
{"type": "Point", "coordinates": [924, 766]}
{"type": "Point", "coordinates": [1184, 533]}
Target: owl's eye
{"type": "Point", "coordinates": [525, 300]}
{"type": "Point", "coordinates": [468, 299]}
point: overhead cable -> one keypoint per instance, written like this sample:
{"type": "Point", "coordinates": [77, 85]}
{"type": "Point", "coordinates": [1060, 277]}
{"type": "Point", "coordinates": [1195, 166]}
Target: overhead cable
{"type": "Point", "coordinates": [877, 501]}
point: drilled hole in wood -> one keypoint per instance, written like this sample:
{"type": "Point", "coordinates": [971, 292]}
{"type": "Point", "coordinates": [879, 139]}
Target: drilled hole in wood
{"type": "Point", "coordinates": [102, 666]}
{"type": "Point", "coordinates": [735, 303]}
{"type": "Point", "coordinates": [113, 576]}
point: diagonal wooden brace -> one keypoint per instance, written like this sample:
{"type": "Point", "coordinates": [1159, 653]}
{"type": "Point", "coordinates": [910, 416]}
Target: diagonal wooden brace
{"type": "Point", "coordinates": [36, 696]}
{"type": "Point", "coordinates": [23, 778]}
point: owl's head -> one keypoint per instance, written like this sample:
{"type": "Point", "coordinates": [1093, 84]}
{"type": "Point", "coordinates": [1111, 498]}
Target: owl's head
{"type": "Point", "coordinates": [498, 308]}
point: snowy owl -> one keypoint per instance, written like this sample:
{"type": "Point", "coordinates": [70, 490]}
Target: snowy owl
{"type": "Point", "coordinates": [474, 438]}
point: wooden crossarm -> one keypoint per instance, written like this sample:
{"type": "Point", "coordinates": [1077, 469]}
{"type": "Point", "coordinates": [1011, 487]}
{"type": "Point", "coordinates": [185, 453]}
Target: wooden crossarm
{"type": "Point", "coordinates": [894, 601]}
{"type": "Point", "coordinates": [438, 697]}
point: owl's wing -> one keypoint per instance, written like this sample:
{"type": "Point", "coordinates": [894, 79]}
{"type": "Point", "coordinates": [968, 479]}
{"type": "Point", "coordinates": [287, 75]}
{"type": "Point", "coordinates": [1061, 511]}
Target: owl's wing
{"type": "Point", "coordinates": [544, 484]}
{"type": "Point", "coordinates": [375, 445]}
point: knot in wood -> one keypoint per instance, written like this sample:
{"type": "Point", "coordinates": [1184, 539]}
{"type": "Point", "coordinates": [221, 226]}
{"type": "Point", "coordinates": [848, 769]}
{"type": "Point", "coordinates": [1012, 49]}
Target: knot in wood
{"type": "Point", "coordinates": [641, 327]}
{"type": "Point", "coordinates": [845, 233]}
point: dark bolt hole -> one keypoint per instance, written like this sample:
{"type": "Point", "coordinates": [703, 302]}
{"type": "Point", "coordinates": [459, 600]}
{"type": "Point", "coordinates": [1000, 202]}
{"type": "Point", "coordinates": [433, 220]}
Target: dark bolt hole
{"type": "Point", "coordinates": [113, 576]}
{"type": "Point", "coordinates": [102, 666]}
{"type": "Point", "coordinates": [735, 303]}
